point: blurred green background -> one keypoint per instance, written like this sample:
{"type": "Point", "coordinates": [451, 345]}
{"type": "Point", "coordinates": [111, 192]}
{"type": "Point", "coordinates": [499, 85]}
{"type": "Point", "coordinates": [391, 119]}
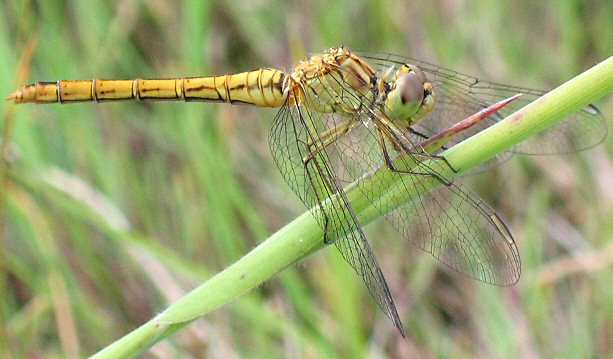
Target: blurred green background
{"type": "Point", "coordinates": [110, 212]}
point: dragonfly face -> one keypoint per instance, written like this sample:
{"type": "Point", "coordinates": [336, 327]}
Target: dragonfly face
{"type": "Point", "coordinates": [411, 96]}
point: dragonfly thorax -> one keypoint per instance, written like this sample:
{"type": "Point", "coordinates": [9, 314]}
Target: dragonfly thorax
{"type": "Point", "coordinates": [337, 81]}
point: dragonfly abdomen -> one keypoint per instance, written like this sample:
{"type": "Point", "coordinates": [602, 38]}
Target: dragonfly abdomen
{"type": "Point", "coordinates": [263, 87]}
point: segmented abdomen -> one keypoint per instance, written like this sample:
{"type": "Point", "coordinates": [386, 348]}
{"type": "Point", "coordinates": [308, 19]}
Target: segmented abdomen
{"type": "Point", "coordinates": [263, 87]}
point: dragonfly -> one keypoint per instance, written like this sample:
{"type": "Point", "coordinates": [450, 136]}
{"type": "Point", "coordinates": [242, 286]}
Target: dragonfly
{"type": "Point", "coordinates": [345, 115]}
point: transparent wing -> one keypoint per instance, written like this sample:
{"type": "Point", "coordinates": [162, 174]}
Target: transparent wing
{"type": "Point", "coordinates": [315, 182]}
{"type": "Point", "coordinates": [449, 222]}
{"type": "Point", "coordinates": [459, 96]}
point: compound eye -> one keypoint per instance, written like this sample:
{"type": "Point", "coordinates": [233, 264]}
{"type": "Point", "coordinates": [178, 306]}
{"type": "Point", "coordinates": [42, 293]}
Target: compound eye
{"type": "Point", "coordinates": [411, 88]}
{"type": "Point", "coordinates": [418, 72]}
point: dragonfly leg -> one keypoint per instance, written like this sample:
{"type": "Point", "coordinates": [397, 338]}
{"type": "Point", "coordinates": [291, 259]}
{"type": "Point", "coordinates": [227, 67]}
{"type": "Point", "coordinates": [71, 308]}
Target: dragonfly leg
{"type": "Point", "coordinates": [416, 133]}
{"type": "Point", "coordinates": [425, 137]}
{"type": "Point", "coordinates": [325, 219]}
{"type": "Point", "coordinates": [335, 130]}
{"type": "Point", "coordinates": [324, 139]}
{"type": "Point", "coordinates": [321, 181]}
{"type": "Point", "coordinates": [444, 159]}
{"type": "Point", "coordinates": [390, 164]}
{"type": "Point", "coordinates": [399, 141]}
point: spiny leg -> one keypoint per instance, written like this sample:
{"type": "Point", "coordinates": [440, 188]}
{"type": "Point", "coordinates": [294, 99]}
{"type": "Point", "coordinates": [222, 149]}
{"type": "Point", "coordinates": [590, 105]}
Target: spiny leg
{"type": "Point", "coordinates": [328, 137]}
{"type": "Point", "coordinates": [416, 133]}
{"type": "Point", "coordinates": [325, 181]}
{"type": "Point", "coordinates": [390, 164]}
{"type": "Point", "coordinates": [335, 130]}
{"type": "Point", "coordinates": [316, 175]}
{"type": "Point", "coordinates": [399, 142]}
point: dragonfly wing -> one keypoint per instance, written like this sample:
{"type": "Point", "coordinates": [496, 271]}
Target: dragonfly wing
{"type": "Point", "coordinates": [459, 96]}
{"type": "Point", "coordinates": [449, 222]}
{"type": "Point", "coordinates": [456, 227]}
{"type": "Point", "coordinates": [315, 183]}
{"type": "Point", "coordinates": [580, 131]}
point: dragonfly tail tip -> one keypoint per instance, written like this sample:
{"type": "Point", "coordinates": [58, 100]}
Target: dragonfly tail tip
{"type": "Point", "coordinates": [14, 96]}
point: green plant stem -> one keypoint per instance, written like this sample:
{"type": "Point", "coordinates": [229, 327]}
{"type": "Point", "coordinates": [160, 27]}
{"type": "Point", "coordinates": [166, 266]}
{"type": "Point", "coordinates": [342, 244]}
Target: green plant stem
{"type": "Point", "coordinates": [303, 236]}
{"type": "Point", "coordinates": [544, 112]}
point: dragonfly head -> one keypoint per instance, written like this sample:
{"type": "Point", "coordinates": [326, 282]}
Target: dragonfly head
{"type": "Point", "coordinates": [411, 96]}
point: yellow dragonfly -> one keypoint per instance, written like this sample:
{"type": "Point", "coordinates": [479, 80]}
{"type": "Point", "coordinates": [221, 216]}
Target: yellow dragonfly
{"type": "Point", "coordinates": [344, 115]}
